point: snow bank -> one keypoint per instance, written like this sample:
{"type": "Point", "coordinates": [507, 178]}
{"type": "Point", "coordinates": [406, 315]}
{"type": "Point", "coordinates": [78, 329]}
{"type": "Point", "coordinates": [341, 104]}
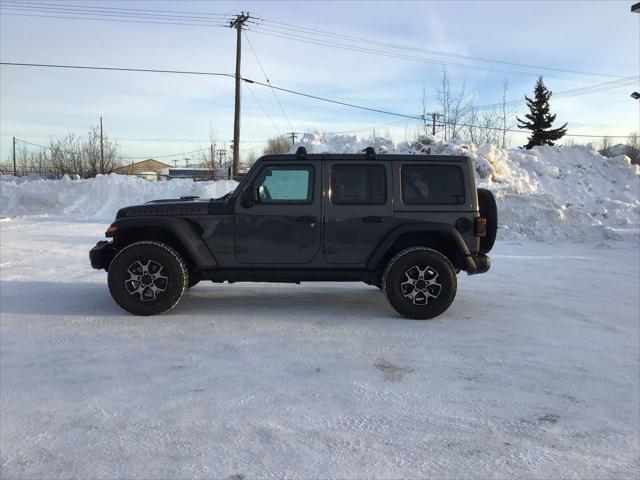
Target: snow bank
{"type": "Point", "coordinates": [97, 198]}
{"type": "Point", "coordinates": [546, 193]}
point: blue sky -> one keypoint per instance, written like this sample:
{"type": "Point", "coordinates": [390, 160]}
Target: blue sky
{"type": "Point", "coordinates": [153, 115]}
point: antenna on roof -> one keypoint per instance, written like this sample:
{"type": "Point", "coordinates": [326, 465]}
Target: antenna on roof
{"type": "Point", "coordinates": [369, 152]}
{"type": "Point", "coordinates": [301, 152]}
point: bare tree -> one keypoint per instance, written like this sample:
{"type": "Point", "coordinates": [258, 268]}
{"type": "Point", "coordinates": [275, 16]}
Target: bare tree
{"type": "Point", "coordinates": [72, 155]}
{"type": "Point", "coordinates": [605, 144]}
{"type": "Point", "coordinates": [633, 147]}
{"type": "Point", "coordinates": [505, 115]}
{"type": "Point", "coordinates": [277, 145]}
{"type": "Point", "coordinates": [455, 106]}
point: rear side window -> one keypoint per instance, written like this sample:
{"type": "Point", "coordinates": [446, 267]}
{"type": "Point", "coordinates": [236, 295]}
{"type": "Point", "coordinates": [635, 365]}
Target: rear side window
{"type": "Point", "coordinates": [432, 185]}
{"type": "Point", "coordinates": [358, 185]}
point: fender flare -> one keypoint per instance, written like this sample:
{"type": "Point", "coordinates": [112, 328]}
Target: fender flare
{"type": "Point", "coordinates": [180, 228]}
{"type": "Point", "coordinates": [424, 227]}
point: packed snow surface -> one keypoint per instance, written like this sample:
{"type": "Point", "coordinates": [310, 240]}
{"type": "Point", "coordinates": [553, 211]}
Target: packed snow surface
{"type": "Point", "coordinates": [546, 193]}
{"type": "Point", "coordinates": [532, 373]}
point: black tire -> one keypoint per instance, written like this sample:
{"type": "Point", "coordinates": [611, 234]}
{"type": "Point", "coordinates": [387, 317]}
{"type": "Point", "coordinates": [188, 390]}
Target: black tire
{"type": "Point", "coordinates": [430, 298]}
{"type": "Point", "coordinates": [488, 210]}
{"type": "Point", "coordinates": [194, 279]}
{"type": "Point", "coordinates": [147, 278]}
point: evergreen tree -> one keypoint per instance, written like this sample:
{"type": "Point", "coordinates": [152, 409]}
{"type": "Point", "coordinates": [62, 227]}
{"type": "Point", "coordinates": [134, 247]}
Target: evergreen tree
{"type": "Point", "coordinates": [540, 120]}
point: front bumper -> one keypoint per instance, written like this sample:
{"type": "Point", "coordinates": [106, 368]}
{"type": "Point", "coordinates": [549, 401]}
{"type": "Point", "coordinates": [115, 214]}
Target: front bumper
{"type": "Point", "coordinates": [102, 254]}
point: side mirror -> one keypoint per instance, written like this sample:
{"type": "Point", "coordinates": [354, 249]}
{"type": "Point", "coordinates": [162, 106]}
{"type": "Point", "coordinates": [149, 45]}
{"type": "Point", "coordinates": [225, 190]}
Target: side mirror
{"type": "Point", "coordinates": [250, 197]}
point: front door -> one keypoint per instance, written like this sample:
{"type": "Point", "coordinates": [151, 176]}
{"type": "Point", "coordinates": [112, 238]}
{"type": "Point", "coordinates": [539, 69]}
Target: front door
{"type": "Point", "coordinates": [358, 209]}
{"type": "Point", "coordinates": [278, 215]}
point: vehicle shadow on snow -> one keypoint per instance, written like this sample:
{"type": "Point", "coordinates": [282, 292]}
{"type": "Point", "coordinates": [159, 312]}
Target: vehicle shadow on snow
{"type": "Point", "coordinates": [288, 300]}
{"type": "Point", "coordinates": [93, 299]}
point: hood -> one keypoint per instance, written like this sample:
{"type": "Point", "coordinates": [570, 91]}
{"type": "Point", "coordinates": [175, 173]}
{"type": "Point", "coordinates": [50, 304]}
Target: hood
{"type": "Point", "coordinates": [166, 207]}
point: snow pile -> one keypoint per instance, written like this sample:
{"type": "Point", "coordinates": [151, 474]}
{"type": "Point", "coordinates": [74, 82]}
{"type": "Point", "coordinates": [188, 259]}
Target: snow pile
{"type": "Point", "coordinates": [97, 198]}
{"type": "Point", "coordinates": [546, 193]}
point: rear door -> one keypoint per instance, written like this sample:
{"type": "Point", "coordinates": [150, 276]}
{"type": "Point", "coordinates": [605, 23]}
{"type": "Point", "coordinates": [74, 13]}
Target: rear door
{"type": "Point", "coordinates": [282, 225]}
{"type": "Point", "coordinates": [358, 209]}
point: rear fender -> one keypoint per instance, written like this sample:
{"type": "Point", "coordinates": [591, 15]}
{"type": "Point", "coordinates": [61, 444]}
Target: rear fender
{"type": "Point", "coordinates": [462, 260]}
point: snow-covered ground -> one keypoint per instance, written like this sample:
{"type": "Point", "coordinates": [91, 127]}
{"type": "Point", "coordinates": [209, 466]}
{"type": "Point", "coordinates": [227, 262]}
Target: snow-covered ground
{"type": "Point", "coordinates": [532, 373]}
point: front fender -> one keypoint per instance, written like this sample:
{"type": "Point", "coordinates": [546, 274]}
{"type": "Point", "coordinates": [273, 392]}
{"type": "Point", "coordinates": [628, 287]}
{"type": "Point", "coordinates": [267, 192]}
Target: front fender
{"type": "Point", "coordinates": [180, 228]}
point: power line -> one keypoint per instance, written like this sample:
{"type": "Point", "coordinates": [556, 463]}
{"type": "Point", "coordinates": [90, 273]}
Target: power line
{"type": "Point", "coordinates": [91, 11]}
{"type": "Point", "coordinates": [282, 26]}
{"type": "Point", "coordinates": [267, 79]}
{"type": "Point", "coordinates": [597, 88]}
{"type": "Point", "coordinates": [185, 72]}
{"type": "Point", "coordinates": [109, 14]}
{"type": "Point", "coordinates": [293, 92]}
{"type": "Point", "coordinates": [165, 156]}
{"type": "Point", "coordinates": [124, 158]}
{"type": "Point", "coordinates": [372, 51]}
{"type": "Point", "coordinates": [48, 4]}
{"type": "Point", "coordinates": [263, 109]}
{"type": "Point", "coordinates": [114, 20]}
{"type": "Point", "coordinates": [118, 69]}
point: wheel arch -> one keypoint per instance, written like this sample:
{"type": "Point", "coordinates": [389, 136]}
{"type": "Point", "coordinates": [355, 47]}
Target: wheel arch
{"type": "Point", "coordinates": [178, 233]}
{"type": "Point", "coordinates": [441, 237]}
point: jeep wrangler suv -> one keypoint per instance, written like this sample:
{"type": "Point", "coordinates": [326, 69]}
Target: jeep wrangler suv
{"type": "Point", "coordinates": [406, 224]}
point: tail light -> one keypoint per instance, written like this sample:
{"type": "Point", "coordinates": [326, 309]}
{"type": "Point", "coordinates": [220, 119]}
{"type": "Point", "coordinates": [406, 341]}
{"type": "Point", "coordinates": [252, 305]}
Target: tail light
{"type": "Point", "coordinates": [480, 227]}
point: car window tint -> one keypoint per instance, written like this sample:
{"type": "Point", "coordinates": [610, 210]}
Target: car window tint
{"type": "Point", "coordinates": [285, 184]}
{"type": "Point", "coordinates": [432, 185]}
{"type": "Point", "coordinates": [358, 185]}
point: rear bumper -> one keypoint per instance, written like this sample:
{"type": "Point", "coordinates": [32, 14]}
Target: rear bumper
{"type": "Point", "coordinates": [102, 254]}
{"type": "Point", "coordinates": [481, 262]}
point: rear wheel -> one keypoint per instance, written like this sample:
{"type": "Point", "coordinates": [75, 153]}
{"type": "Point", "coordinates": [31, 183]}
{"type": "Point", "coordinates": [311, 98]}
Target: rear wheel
{"type": "Point", "coordinates": [147, 278]}
{"type": "Point", "coordinates": [420, 283]}
{"type": "Point", "coordinates": [489, 211]}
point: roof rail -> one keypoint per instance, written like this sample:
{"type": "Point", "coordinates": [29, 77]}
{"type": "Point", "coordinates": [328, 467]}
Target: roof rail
{"type": "Point", "coordinates": [369, 152]}
{"type": "Point", "coordinates": [301, 152]}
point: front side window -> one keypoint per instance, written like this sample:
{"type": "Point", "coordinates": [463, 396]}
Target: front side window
{"type": "Point", "coordinates": [358, 185]}
{"type": "Point", "coordinates": [432, 185]}
{"type": "Point", "coordinates": [283, 184]}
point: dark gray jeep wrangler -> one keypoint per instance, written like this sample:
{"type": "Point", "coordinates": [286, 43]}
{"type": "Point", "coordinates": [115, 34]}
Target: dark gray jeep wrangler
{"type": "Point", "coordinates": [404, 223]}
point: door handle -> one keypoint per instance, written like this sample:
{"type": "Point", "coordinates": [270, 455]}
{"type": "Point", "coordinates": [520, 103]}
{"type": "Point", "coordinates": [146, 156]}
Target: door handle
{"type": "Point", "coordinates": [372, 219]}
{"type": "Point", "coordinates": [306, 219]}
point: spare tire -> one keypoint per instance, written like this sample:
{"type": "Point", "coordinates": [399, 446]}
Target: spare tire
{"type": "Point", "coordinates": [488, 210]}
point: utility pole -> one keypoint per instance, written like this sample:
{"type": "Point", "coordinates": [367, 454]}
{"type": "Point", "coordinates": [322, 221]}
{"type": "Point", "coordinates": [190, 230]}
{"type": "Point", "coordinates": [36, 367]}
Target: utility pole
{"type": "Point", "coordinates": [15, 173]}
{"type": "Point", "coordinates": [221, 152]}
{"type": "Point", "coordinates": [293, 136]}
{"type": "Point", "coordinates": [434, 117]}
{"type": "Point", "coordinates": [237, 23]}
{"type": "Point", "coordinates": [213, 160]}
{"type": "Point", "coordinates": [101, 148]}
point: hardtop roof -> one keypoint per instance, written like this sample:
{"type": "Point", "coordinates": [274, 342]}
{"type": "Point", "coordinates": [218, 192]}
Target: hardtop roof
{"type": "Point", "coordinates": [351, 157]}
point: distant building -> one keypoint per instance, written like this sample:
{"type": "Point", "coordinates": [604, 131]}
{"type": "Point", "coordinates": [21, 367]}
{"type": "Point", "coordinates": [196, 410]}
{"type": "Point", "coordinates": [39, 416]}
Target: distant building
{"type": "Point", "coordinates": [195, 174]}
{"type": "Point", "coordinates": [148, 169]}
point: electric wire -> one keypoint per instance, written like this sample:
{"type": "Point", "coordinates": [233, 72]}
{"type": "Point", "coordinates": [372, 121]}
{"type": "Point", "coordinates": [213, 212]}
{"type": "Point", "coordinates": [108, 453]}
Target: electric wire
{"type": "Point", "coordinates": [267, 79]}
{"type": "Point", "coordinates": [323, 33]}
{"type": "Point", "coordinates": [370, 51]}
{"type": "Point", "coordinates": [249, 81]}
{"type": "Point", "coordinates": [263, 109]}
{"type": "Point", "coordinates": [92, 12]}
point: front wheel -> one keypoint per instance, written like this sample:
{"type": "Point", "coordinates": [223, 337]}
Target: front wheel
{"type": "Point", "coordinates": [147, 278]}
{"type": "Point", "coordinates": [420, 283]}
